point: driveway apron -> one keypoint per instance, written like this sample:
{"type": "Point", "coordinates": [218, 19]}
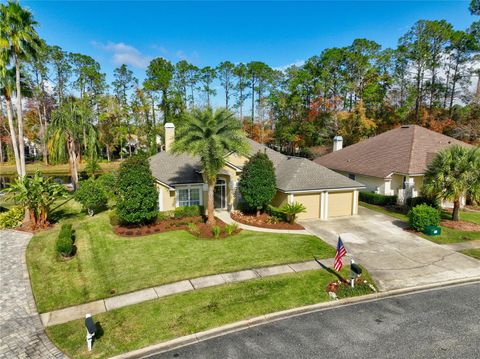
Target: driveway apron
{"type": "Point", "coordinates": [394, 257]}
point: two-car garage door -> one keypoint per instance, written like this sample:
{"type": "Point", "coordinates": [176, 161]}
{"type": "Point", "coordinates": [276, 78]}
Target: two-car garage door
{"type": "Point", "coordinates": [334, 204]}
{"type": "Point", "coordinates": [340, 204]}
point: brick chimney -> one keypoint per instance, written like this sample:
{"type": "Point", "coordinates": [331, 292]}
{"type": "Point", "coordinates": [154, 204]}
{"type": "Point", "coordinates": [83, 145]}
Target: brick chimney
{"type": "Point", "coordinates": [337, 143]}
{"type": "Point", "coordinates": [169, 135]}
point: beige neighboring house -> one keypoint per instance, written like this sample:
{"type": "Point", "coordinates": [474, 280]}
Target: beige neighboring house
{"type": "Point", "coordinates": [323, 192]}
{"type": "Point", "coordinates": [392, 163]}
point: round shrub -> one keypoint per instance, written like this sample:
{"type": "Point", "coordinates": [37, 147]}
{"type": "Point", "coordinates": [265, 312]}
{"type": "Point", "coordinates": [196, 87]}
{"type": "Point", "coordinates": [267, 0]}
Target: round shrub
{"type": "Point", "coordinates": [137, 200]}
{"type": "Point", "coordinates": [12, 218]}
{"type": "Point", "coordinates": [423, 215]}
{"type": "Point", "coordinates": [108, 182]}
{"type": "Point", "coordinates": [91, 196]}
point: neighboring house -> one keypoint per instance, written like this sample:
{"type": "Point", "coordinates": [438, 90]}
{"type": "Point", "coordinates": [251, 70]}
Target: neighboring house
{"type": "Point", "coordinates": [323, 192]}
{"type": "Point", "coordinates": [392, 163]}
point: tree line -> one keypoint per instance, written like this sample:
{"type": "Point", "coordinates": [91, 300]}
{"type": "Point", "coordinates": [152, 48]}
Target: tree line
{"type": "Point", "coordinates": [61, 101]}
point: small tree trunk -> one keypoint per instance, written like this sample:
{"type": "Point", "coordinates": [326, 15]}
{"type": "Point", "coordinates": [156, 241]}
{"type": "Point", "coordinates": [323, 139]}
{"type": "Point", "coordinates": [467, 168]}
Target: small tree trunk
{"type": "Point", "coordinates": [456, 210]}
{"type": "Point", "coordinates": [21, 145]}
{"type": "Point", "coordinates": [108, 153]}
{"type": "Point", "coordinates": [210, 209]}
{"type": "Point", "coordinates": [72, 157]}
{"type": "Point", "coordinates": [258, 211]}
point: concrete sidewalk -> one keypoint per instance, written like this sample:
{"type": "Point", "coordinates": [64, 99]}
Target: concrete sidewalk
{"type": "Point", "coordinates": [462, 246]}
{"type": "Point", "coordinates": [104, 305]}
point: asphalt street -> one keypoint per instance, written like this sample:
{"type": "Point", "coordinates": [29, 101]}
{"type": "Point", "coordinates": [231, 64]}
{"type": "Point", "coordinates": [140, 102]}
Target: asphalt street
{"type": "Point", "coordinates": [440, 323]}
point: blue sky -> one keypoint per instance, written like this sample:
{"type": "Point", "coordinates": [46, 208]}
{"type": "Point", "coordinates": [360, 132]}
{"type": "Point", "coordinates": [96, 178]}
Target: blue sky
{"type": "Point", "coordinates": [205, 33]}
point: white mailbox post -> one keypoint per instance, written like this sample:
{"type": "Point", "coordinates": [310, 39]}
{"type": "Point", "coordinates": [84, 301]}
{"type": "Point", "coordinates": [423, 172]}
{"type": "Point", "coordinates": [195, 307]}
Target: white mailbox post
{"type": "Point", "coordinates": [91, 329]}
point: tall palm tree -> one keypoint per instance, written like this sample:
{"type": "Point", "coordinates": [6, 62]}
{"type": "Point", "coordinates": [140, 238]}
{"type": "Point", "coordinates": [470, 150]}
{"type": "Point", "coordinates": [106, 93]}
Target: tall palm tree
{"type": "Point", "coordinates": [7, 85]}
{"type": "Point", "coordinates": [21, 41]}
{"type": "Point", "coordinates": [210, 136]}
{"type": "Point", "coordinates": [454, 173]}
{"type": "Point", "coordinates": [65, 131]}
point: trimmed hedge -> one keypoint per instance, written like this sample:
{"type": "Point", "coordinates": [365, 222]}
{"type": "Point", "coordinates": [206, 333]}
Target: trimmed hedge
{"type": "Point", "coordinates": [137, 200]}
{"type": "Point", "coordinates": [379, 199]}
{"type": "Point", "coordinates": [64, 243]}
{"type": "Point", "coordinates": [188, 211]}
{"type": "Point", "coordinates": [422, 216]}
{"type": "Point", "coordinates": [415, 201]}
{"type": "Point", "coordinates": [12, 218]}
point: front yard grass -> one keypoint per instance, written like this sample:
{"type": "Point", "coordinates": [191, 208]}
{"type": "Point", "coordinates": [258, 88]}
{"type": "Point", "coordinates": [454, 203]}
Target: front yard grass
{"type": "Point", "coordinates": [448, 235]}
{"type": "Point", "coordinates": [473, 252]}
{"type": "Point", "coordinates": [144, 324]}
{"type": "Point", "coordinates": [107, 264]}
{"type": "Point", "coordinates": [55, 170]}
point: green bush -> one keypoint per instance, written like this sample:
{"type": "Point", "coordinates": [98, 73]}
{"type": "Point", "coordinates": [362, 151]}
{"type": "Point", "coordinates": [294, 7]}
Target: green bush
{"type": "Point", "coordinates": [188, 211]}
{"type": "Point", "coordinates": [423, 215]}
{"type": "Point", "coordinates": [379, 199]}
{"type": "Point", "coordinates": [257, 183]}
{"type": "Point", "coordinates": [230, 229]}
{"type": "Point", "coordinates": [164, 215]}
{"type": "Point", "coordinates": [114, 221]}
{"type": "Point", "coordinates": [216, 230]}
{"type": "Point", "coordinates": [277, 213]}
{"type": "Point", "coordinates": [108, 182]}
{"type": "Point", "coordinates": [64, 243]}
{"type": "Point", "coordinates": [292, 209]}
{"type": "Point", "coordinates": [12, 218]}
{"type": "Point", "coordinates": [137, 201]}
{"type": "Point", "coordinates": [91, 196]}
{"type": "Point", "coordinates": [415, 201]}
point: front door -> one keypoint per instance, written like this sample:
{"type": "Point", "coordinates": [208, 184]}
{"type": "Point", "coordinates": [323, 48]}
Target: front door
{"type": "Point", "coordinates": [220, 194]}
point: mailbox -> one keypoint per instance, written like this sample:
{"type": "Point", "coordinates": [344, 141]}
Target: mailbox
{"type": "Point", "coordinates": [91, 329]}
{"type": "Point", "coordinates": [356, 268]}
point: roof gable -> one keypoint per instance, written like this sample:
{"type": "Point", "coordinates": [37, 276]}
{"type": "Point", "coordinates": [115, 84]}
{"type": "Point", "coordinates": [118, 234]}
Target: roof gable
{"type": "Point", "coordinates": [406, 149]}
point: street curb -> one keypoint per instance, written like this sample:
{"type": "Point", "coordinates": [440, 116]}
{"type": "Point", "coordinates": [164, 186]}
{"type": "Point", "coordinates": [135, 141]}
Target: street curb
{"type": "Point", "coordinates": [273, 317]}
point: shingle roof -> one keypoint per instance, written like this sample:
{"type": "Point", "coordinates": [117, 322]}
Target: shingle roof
{"type": "Point", "coordinates": [293, 173]}
{"type": "Point", "coordinates": [407, 150]}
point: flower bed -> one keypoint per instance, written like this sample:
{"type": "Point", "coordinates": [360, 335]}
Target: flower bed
{"type": "Point", "coordinates": [160, 226]}
{"type": "Point", "coordinates": [194, 225]}
{"type": "Point", "coordinates": [461, 225]}
{"type": "Point", "coordinates": [263, 221]}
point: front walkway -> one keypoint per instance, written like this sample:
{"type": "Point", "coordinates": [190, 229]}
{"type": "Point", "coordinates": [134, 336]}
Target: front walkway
{"type": "Point", "coordinates": [225, 217]}
{"type": "Point", "coordinates": [104, 305]}
{"type": "Point", "coordinates": [395, 258]}
{"type": "Point", "coordinates": [21, 332]}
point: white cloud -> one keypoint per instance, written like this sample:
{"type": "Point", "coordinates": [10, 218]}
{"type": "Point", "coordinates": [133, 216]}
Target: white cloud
{"type": "Point", "coordinates": [297, 63]}
{"type": "Point", "coordinates": [125, 54]}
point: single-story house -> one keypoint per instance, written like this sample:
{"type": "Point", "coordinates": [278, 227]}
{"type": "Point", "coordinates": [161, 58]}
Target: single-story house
{"type": "Point", "coordinates": [323, 192]}
{"type": "Point", "coordinates": [392, 163]}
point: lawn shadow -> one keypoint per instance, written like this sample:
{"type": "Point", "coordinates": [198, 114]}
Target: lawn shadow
{"type": "Point", "coordinates": [401, 224]}
{"type": "Point", "coordinates": [99, 332]}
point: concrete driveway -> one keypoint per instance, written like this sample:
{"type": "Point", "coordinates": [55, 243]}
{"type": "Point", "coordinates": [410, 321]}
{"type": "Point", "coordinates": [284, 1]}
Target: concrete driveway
{"type": "Point", "coordinates": [394, 257]}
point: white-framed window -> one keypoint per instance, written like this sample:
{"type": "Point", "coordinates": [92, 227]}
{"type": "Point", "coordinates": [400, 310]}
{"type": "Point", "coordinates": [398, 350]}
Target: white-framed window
{"type": "Point", "coordinates": [189, 196]}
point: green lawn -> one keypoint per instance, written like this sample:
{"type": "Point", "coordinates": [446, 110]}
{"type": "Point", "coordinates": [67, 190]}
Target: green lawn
{"type": "Point", "coordinates": [474, 252]}
{"type": "Point", "coordinates": [144, 324]}
{"type": "Point", "coordinates": [107, 264]}
{"type": "Point", "coordinates": [448, 235]}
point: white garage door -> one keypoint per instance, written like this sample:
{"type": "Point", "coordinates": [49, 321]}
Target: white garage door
{"type": "Point", "coordinates": [340, 204]}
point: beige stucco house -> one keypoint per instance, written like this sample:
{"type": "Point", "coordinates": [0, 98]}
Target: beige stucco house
{"type": "Point", "coordinates": [392, 163]}
{"type": "Point", "coordinates": [323, 192]}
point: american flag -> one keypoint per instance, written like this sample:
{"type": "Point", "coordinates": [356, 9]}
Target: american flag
{"type": "Point", "coordinates": [341, 251]}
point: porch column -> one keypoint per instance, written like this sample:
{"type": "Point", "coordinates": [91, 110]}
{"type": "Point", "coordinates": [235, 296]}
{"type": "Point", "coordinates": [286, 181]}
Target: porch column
{"type": "Point", "coordinates": [290, 198]}
{"type": "Point", "coordinates": [355, 202]}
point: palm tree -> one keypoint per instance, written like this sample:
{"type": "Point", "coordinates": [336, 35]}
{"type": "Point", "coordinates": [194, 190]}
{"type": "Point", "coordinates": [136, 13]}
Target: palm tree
{"type": "Point", "coordinates": [21, 42]}
{"type": "Point", "coordinates": [210, 136]}
{"type": "Point", "coordinates": [65, 131]}
{"type": "Point", "coordinates": [7, 85]}
{"type": "Point", "coordinates": [454, 173]}
{"type": "Point", "coordinates": [37, 195]}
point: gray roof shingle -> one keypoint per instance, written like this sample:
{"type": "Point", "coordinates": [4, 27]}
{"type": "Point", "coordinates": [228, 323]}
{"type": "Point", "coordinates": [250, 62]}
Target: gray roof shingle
{"type": "Point", "coordinates": [293, 173]}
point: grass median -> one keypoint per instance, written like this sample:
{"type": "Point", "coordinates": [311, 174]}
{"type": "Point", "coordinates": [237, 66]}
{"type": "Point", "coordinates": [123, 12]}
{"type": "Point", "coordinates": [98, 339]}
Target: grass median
{"type": "Point", "coordinates": [159, 320]}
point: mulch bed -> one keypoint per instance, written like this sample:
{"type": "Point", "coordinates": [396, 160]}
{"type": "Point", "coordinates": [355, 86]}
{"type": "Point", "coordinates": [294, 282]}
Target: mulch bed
{"type": "Point", "coordinates": [262, 221]}
{"type": "Point", "coordinates": [167, 225]}
{"type": "Point", "coordinates": [174, 224]}
{"type": "Point", "coordinates": [461, 225]}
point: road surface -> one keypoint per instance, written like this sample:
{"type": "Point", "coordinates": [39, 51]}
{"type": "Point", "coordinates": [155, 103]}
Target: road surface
{"type": "Point", "coordinates": [440, 323]}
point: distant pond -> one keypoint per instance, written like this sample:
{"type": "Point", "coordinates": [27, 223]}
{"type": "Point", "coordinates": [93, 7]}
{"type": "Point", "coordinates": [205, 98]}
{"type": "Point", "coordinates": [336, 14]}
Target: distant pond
{"type": "Point", "coordinates": [62, 179]}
